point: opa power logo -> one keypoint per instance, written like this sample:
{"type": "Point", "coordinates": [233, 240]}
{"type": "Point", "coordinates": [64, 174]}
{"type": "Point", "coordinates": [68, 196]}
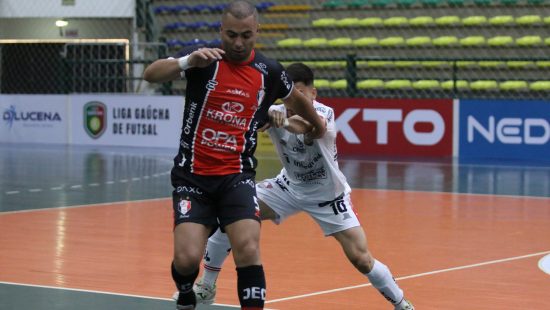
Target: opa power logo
{"type": "Point", "coordinates": [95, 119]}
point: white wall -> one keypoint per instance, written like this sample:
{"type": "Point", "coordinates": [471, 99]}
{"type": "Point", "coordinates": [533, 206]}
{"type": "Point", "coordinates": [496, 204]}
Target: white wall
{"type": "Point", "coordinates": [86, 28]}
{"type": "Point", "coordinates": [55, 9]}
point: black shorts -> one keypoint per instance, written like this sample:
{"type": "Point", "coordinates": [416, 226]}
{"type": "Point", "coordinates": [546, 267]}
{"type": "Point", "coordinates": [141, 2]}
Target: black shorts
{"type": "Point", "coordinates": [214, 200]}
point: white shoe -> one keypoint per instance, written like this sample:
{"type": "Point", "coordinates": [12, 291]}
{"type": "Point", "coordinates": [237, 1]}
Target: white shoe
{"type": "Point", "coordinates": [404, 305]}
{"type": "Point", "coordinates": [205, 294]}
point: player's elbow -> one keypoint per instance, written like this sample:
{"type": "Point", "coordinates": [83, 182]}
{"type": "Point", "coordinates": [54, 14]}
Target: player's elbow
{"type": "Point", "coordinates": [149, 75]}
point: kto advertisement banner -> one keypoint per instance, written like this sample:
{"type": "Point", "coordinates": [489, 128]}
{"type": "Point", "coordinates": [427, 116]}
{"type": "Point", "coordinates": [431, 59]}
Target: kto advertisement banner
{"type": "Point", "coordinates": [126, 120]}
{"type": "Point", "coordinates": [505, 129]}
{"type": "Point", "coordinates": [34, 119]}
{"type": "Point", "coordinates": [393, 127]}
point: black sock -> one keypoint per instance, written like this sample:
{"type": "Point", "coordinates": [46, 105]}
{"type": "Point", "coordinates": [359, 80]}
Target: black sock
{"type": "Point", "coordinates": [184, 284]}
{"type": "Point", "coordinates": [251, 286]}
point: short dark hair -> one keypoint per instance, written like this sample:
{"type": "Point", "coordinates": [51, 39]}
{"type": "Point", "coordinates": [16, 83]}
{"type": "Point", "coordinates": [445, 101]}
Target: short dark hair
{"type": "Point", "coordinates": [240, 9]}
{"type": "Point", "coordinates": [299, 72]}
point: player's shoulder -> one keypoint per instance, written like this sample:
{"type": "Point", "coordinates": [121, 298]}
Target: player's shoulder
{"type": "Point", "coordinates": [322, 108]}
{"type": "Point", "coordinates": [266, 64]}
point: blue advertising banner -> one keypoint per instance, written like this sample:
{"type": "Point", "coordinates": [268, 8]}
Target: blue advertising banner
{"type": "Point", "coordinates": [504, 129]}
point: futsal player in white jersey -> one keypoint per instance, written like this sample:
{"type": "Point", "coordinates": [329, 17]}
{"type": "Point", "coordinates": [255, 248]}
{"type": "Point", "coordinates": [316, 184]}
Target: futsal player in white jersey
{"type": "Point", "coordinates": [310, 181]}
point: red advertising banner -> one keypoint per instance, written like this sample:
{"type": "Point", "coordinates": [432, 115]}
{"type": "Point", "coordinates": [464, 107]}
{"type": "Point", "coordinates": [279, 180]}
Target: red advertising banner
{"type": "Point", "coordinates": [393, 127]}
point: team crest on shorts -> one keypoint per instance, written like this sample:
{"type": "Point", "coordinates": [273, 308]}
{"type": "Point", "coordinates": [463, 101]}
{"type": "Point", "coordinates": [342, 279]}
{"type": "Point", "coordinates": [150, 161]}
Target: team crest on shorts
{"type": "Point", "coordinates": [184, 207]}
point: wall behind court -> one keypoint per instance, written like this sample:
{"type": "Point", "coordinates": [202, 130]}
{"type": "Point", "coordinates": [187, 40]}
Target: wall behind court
{"type": "Point", "coordinates": [55, 8]}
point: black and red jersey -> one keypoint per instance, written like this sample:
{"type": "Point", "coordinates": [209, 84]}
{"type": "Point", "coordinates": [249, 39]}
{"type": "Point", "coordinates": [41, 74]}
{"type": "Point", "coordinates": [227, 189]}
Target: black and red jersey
{"type": "Point", "coordinates": [225, 105]}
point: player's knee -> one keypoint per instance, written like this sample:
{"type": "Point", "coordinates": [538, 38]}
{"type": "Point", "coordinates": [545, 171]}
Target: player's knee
{"type": "Point", "coordinates": [187, 261]}
{"type": "Point", "coordinates": [362, 261]}
{"type": "Point", "coordinates": [246, 254]}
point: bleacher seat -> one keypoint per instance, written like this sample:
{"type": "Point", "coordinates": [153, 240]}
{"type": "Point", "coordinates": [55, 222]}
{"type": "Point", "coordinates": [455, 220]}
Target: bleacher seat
{"type": "Point", "coordinates": [365, 41]}
{"type": "Point", "coordinates": [397, 84]}
{"type": "Point", "coordinates": [426, 84]}
{"type": "Point", "coordinates": [540, 86]}
{"type": "Point", "coordinates": [500, 41]}
{"type": "Point", "coordinates": [261, 7]}
{"type": "Point", "coordinates": [406, 63]}
{"type": "Point", "coordinates": [290, 8]}
{"type": "Point", "coordinates": [490, 63]}
{"type": "Point", "coordinates": [321, 83]}
{"type": "Point", "coordinates": [358, 4]}
{"type": "Point", "coordinates": [529, 40]}
{"type": "Point", "coordinates": [370, 84]}
{"type": "Point", "coordinates": [484, 85]}
{"type": "Point", "coordinates": [528, 20]}
{"type": "Point", "coordinates": [513, 85]}
{"type": "Point", "coordinates": [434, 63]}
{"type": "Point", "coordinates": [483, 2]}
{"type": "Point", "coordinates": [396, 21]}
{"type": "Point", "coordinates": [334, 4]}
{"type": "Point", "coordinates": [466, 63]}
{"type": "Point", "coordinates": [542, 64]}
{"type": "Point", "coordinates": [391, 41]}
{"type": "Point", "coordinates": [421, 21]}
{"type": "Point", "coordinates": [472, 41]}
{"type": "Point", "coordinates": [339, 84]}
{"type": "Point", "coordinates": [340, 42]}
{"type": "Point", "coordinates": [500, 20]}
{"type": "Point", "coordinates": [375, 63]}
{"type": "Point", "coordinates": [455, 3]}
{"type": "Point", "coordinates": [450, 84]}
{"type": "Point", "coordinates": [380, 3]}
{"type": "Point", "coordinates": [315, 42]}
{"type": "Point", "coordinates": [324, 22]}
{"type": "Point", "coordinates": [197, 25]}
{"type": "Point", "coordinates": [347, 22]}
{"type": "Point", "coordinates": [475, 20]}
{"type": "Point", "coordinates": [447, 20]}
{"type": "Point", "coordinates": [509, 2]}
{"type": "Point", "coordinates": [419, 41]}
{"type": "Point", "coordinates": [445, 41]}
{"type": "Point", "coordinates": [519, 64]}
{"type": "Point", "coordinates": [431, 3]}
{"type": "Point", "coordinates": [406, 3]}
{"type": "Point", "coordinates": [535, 2]}
{"type": "Point", "coordinates": [290, 42]}
{"type": "Point", "coordinates": [371, 22]}
{"type": "Point", "coordinates": [547, 41]}
{"type": "Point", "coordinates": [200, 8]}
{"type": "Point", "coordinates": [546, 20]}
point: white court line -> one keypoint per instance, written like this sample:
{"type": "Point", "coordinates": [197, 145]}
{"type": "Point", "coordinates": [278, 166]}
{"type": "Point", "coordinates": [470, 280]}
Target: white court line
{"type": "Point", "coordinates": [91, 205]}
{"type": "Point", "coordinates": [411, 276]}
{"type": "Point", "coordinates": [107, 293]}
{"type": "Point", "coordinates": [454, 193]}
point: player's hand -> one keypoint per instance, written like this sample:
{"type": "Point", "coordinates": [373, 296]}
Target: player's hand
{"type": "Point", "coordinates": [278, 119]}
{"type": "Point", "coordinates": [265, 127]}
{"type": "Point", "coordinates": [205, 56]}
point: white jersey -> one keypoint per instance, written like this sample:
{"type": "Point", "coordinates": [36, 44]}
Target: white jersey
{"type": "Point", "coordinates": [310, 171]}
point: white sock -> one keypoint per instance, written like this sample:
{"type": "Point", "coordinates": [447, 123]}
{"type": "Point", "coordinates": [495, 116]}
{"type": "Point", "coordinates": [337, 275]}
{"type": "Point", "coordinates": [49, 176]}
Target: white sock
{"type": "Point", "coordinates": [381, 278]}
{"type": "Point", "coordinates": [217, 250]}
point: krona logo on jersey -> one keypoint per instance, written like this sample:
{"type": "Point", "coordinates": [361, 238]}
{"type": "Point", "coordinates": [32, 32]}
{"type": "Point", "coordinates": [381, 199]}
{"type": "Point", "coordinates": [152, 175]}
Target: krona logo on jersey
{"type": "Point", "coordinates": [95, 119]}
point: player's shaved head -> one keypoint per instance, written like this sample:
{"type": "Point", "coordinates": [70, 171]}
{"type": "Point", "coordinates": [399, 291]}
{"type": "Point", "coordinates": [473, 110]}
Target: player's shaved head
{"type": "Point", "coordinates": [240, 9]}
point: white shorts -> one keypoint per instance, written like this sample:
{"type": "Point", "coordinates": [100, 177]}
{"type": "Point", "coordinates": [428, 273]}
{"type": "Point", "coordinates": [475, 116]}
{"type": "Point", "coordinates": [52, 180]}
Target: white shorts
{"type": "Point", "coordinates": [332, 216]}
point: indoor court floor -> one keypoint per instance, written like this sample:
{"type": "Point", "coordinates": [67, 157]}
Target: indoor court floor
{"type": "Point", "coordinates": [90, 228]}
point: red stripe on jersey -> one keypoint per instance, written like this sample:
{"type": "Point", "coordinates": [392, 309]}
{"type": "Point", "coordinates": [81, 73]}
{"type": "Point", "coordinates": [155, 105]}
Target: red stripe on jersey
{"type": "Point", "coordinates": [226, 116]}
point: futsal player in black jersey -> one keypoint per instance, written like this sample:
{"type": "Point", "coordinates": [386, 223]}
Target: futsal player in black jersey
{"type": "Point", "coordinates": [228, 94]}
